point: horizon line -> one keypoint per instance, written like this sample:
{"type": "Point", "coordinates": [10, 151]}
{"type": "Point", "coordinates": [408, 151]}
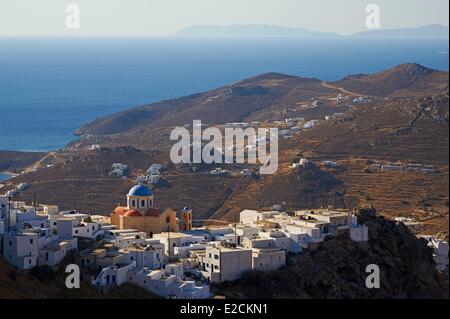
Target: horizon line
{"type": "Point", "coordinates": [174, 35]}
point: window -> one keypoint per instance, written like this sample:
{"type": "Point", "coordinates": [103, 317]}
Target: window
{"type": "Point", "coordinates": [168, 219]}
{"type": "Point", "coordinates": [133, 203]}
{"type": "Point", "coordinates": [10, 243]}
{"type": "Point", "coordinates": [31, 241]}
{"type": "Point", "coordinates": [216, 256]}
{"type": "Point", "coordinates": [143, 203]}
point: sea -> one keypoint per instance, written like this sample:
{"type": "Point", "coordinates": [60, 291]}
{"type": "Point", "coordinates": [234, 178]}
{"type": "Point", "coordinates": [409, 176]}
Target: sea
{"type": "Point", "coordinates": [4, 176]}
{"type": "Point", "coordinates": [50, 86]}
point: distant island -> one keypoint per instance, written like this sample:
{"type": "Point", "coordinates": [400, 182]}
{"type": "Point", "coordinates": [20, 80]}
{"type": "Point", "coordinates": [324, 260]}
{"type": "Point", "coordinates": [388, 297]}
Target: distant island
{"type": "Point", "coordinates": [434, 31]}
{"type": "Point", "coordinates": [250, 31]}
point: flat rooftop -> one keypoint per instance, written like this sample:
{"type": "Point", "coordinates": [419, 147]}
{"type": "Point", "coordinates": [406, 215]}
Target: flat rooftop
{"type": "Point", "coordinates": [230, 249]}
{"type": "Point", "coordinates": [322, 212]}
{"type": "Point", "coordinates": [171, 235]}
{"type": "Point", "coordinates": [123, 231]}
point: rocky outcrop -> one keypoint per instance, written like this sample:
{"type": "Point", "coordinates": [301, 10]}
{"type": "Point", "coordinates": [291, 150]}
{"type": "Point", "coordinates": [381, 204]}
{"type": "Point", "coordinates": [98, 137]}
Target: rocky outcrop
{"type": "Point", "coordinates": [338, 269]}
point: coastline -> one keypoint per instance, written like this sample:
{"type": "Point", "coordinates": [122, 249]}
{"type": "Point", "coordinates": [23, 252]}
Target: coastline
{"type": "Point", "coordinates": [5, 175]}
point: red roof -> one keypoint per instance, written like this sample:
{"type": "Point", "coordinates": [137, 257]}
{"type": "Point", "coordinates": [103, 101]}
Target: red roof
{"type": "Point", "coordinates": [132, 213]}
{"type": "Point", "coordinates": [120, 210]}
{"type": "Point", "coordinates": [153, 212]}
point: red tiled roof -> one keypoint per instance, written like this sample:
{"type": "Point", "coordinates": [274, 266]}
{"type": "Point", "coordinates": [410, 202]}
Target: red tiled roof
{"type": "Point", "coordinates": [120, 210]}
{"type": "Point", "coordinates": [132, 213]}
{"type": "Point", "coordinates": [153, 212]}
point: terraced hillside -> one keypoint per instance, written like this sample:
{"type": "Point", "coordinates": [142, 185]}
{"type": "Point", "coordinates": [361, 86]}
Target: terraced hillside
{"type": "Point", "coordinates": [412, 129]}
{"type": "Point", "coordinates": [293, 188]}
{"type": "Point", "coordinates": [421, 196]}
{"type": "Point", "coordinates": [401, 129]}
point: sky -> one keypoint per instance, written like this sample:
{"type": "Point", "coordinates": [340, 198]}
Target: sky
{"type": "Point", "coordinates": [165, 17]}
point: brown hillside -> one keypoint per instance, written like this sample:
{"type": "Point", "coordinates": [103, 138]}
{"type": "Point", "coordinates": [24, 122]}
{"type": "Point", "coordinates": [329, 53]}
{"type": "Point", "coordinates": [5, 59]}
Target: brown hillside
{"type": "Point", "coordinates": [19, 284]}
{"type": "Point", "coordinates": [400, 129]}
{"type": "Point", "coordinates": [236, 102]}
{"type": "Point", "coordinates": [17, 161]}
{"type": "Point", "coordinates": [400, 81]}
{"type": "Point", "coordinates": [409, 130]}
{"type": "Point", "coordinates": [292, 188]}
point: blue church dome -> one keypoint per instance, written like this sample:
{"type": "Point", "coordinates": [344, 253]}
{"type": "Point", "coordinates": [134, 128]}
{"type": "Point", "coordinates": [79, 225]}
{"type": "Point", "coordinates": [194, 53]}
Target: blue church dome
{"type": "Point", "coordinates": [140, 190]}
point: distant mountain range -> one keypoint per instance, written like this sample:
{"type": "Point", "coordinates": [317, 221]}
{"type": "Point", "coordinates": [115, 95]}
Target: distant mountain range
{"type": "Point", "coordinates": [434, 31]}
{"type": "Point", "coordinates": [249, 31]}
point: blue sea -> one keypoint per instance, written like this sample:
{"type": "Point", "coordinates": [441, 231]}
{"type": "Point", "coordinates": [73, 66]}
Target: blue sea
{"type": "Point", "coordinates": [51, 86]}
{"type": "Point", "coordinates": [4, 176]}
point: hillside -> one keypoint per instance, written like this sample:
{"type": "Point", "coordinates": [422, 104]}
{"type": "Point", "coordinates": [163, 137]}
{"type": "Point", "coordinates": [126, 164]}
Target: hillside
{"type": "Point", "coordinates": [405, 80]}
{"type": "Point", "coordinates": [401, 129]}
{"type": "Point", "coordinates": [46, 284]}
{"type": "Point", "coordinates": [268, 97]}
{"type": "Point", "coordinates": [337, 270]}
{"type": "Point", "coordinates": [17, 161]}
{"type": "Point", "coordinates": [412, 129]}
{"type": "Point", "coordinates": [232, 103]}
{"type": "Point", "coordinates": [302, 188]}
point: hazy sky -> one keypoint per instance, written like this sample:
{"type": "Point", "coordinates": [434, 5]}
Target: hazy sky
{"type": "Point", "coordinates": [164, 17]}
